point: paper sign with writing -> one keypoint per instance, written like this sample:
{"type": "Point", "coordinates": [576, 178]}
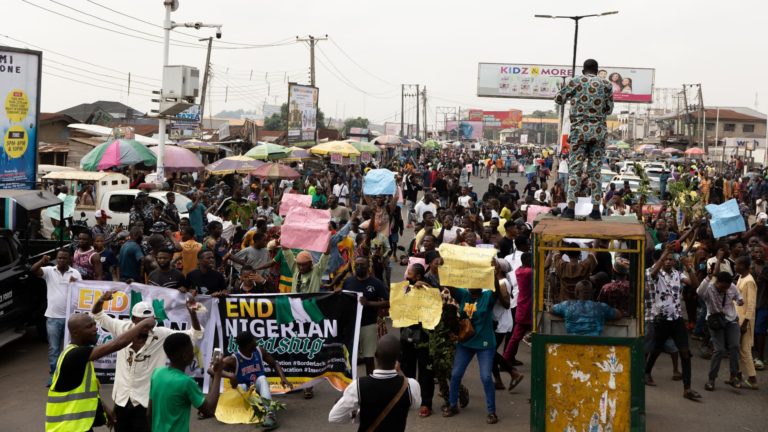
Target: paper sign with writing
{"type": "Point", "coordinates": [535, 210]}
{"type": "Point", "coordinates": [466, 267]}
{"type": "Point", "coordinates": [306, 229]}
{"type": "Point", "coordinates": [417, 305]}
{"type": "Point", "coordinates": [379, 182]}
{"type": "Point", "coordinates": [337, 158]}
{"type": "Point", "coordinates": [291, 201]}
{"type": "Point", "coordinates": [726, 219]}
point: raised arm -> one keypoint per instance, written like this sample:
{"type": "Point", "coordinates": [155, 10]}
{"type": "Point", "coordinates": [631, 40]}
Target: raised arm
{"type": "Point", "coordinates": [123, 340]}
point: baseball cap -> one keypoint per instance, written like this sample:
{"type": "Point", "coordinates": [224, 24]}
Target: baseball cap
{"type": "Point", "coordinates": [142, 310]}
{"type": "Point", "coordinates": [101, 214]}
{"type": "Point", "coordinates": [158, 227]}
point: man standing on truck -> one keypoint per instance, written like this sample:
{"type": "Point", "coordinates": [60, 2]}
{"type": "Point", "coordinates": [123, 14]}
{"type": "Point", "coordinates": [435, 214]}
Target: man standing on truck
{"type": "Point", "coordinates": [591, 102]}
{"type": "Point", "coordinates": [57, 279]}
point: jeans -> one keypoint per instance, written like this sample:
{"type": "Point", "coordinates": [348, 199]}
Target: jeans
{"type": "Point", "coordinates": [460, 362]}
{"type": "Point", "coordinates": [701, 318]}
{"type": "Point", "coordinates": [410, 210]}
{"type": "Point", "coordinates": [664, 329]}
{"type": "Point", "coordinates": [727, 338]}
{"type": "Point", "coordinates": [55, 329]}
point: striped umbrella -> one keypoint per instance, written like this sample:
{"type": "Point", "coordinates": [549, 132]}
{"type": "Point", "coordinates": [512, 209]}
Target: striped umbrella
{"type": "Point", "coordinates": [201, 146]}
{"type": "Point", "coordinates": [365, 147]}
{"type": "Point", "coordinates": [268, 151]}
{"type": "Point", "coordinates": [233, 164]}
{"type": "Point", "coordinates": [344, 148]}
{"type": "Point", "coordinates": [297, 154]}
{"type": "Point", "coordinates": [117, 154]}
{"type": "Point", "coordinates": [179, 159]}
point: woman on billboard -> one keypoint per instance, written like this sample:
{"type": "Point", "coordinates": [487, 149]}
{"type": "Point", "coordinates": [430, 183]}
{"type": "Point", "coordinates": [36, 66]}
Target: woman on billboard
{"type": "Point", "coordinates": [615, 80]}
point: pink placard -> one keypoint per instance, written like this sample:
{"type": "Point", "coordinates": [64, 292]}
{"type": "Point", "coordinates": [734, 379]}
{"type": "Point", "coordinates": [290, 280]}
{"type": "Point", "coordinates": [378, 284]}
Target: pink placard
{"type": "Point", "coordinates": [534, 210]}
{"type": "Point", "coordinates": [416, 260]}
{"type": "Point", "coordinates": [291, 201]}
{"type": "Point", "coordinates": [307, 229]}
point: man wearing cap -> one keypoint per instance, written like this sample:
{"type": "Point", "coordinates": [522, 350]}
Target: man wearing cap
{"type": "Point", "coordinates": [136, 362]}
{"type": "Point", "coordinates": [102, 228]}
{"type": "Point", "coordinates": [170, 212]}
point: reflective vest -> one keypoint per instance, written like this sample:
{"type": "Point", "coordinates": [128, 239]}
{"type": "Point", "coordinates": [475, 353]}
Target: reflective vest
{"type": "Point", "coordinates": [73, 410]}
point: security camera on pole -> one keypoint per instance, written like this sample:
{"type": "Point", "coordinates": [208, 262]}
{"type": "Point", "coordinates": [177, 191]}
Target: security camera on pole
{"type": "Point", "coordinates": [180, 83]}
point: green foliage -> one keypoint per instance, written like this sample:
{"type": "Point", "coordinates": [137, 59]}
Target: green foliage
{"type": "Point", "coordinates": [355, 122]}
{"type": "Point", "coordinates": [686, 198]}
{"type": "Point", "coordinates": [645, 184]}
{"type": "Point", "coordinates": [241, 213]}
{"type": "Point", "coordinates": [262, 406]}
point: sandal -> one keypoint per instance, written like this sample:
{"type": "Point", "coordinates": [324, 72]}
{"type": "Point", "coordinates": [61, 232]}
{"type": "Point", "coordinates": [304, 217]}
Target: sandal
{"type": "Point", "coordinates": [515, 381]}
{"type": "Point", "coordinates": [450, 411]}
{"type": "Point", "coordinates": [309, 393]}
{"type": "Point", "coordinates": [425, 411]}
{"type": "Point", "coordinates": [492, 418]}
{"type": "Point", "coordinates": [691, 394]}
{"type": "Point", "coordinates": [709, 386]}
{"type": "Point", "coordinates": [749, 385]}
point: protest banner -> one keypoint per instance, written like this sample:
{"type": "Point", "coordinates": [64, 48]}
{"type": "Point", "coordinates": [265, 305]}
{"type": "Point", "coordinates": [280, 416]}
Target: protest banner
{"type": "Point", "coordinates": [306, 229]}
{"type": "Point", "coordinates": [170, 310]}
{"type": "Point", "coordinates": [312, 336]}
{"type": "Point", "coordinates": [726, 218]}
{"type": "Point", "coordinates": [409, 305]}
{"type": "Point", "coordinates": [534, 210]}
{"type": "Point", "coordinates": [291, 201]}
{"type": "Point", "coordinates": [466, 267]}
{"type": "Point", "coordinates": [379, 182]}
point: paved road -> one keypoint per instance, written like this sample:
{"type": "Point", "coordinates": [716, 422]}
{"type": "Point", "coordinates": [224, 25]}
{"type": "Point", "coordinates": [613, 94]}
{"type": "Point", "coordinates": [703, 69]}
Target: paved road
{"type": "Point", "coordinates": [23, 372]}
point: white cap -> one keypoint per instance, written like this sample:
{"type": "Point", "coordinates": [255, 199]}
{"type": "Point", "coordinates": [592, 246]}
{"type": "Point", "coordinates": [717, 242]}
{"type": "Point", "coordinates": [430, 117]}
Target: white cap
{"type": "Point", "coordinates": [142, 310]}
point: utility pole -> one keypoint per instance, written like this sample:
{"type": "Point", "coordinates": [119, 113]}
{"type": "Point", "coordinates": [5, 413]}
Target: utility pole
{"type": "Point", "coordinates": [424, 103]}
{"type": "Point", "coordinates": [206, 76]}
{"type": "Point", "coordinates": [402, 109]}
{"type": "Point", "coordinates": [417, 112]}
{"type": "Point", "coordinates": [311, 40]}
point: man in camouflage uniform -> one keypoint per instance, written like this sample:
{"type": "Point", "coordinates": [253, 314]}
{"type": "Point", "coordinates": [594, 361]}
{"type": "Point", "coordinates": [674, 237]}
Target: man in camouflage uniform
{"type": "Point", "coordinates": [591, 102]}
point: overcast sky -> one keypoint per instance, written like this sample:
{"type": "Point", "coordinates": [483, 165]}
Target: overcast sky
{"type": "Point", "coordinates": [721, 45]}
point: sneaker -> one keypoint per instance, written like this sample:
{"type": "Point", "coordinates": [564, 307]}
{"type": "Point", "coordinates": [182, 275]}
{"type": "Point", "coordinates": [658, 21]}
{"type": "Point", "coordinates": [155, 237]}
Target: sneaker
{"type": "Point", "coordinates": [759, 365]}
{"type": "Point", "coordinates": [568, 213]}
{"type": "Point", "coordinates": [595, 215]}
{"type": "Point", "coordinates": [269, 423]}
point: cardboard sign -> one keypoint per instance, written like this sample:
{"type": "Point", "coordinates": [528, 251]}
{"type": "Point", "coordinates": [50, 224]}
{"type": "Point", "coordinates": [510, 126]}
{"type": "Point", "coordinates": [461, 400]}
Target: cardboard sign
{"type": "Point", "coordinates": [336, 159]}
{"type": "Point", "coordinates": [306, 229]}
{"type": "Point", "coordinates": [466, 267]}
{"type": "Point", "coordinates": [290, 201]}
{"type": "Point", "coordinates": [417, 305]}
{"type": "Point", "coordinates": [535, 210]}
{"type": "Point", "coordinates": [726, 218]}
{"type": "Point", "coordinates": [379, 182]}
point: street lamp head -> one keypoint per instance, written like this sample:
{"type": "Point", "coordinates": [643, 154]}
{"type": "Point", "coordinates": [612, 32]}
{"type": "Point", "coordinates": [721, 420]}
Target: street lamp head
{"type": "Point", "coordinates": [543, 16]}
{"type": "Point", "coordinates": [218, 32]}
{"type": "Point", "coordinates": [609, 13]}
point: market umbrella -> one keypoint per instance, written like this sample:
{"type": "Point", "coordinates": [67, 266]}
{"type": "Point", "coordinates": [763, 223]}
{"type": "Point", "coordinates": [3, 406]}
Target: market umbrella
{"type": "Point", "coordinates": [233, 164]}
{"type": "Point", "coordinates": [671, 150]}
{"type": "Point", "coordinates": [431, 144]}
{"type": "Point", "coordinates": [365, 147]}
{"type": "Point", "coordinates": [622, 145]}
{"type": "Point", "coordinates": [344, 148]}
{"type": "Point", "coordinates": [694, 151]}
{"type": "Point", "coordinates": [201, 146]}
{"type": "Point", "coordinates": [611, 147]}
{"type": "Point", "coordinates": [268, 151]}
{"type": "Point", "coordinates": [389, 141]}
{"type": "Point", "coordinates": [275, 171]}
{"type": "Point", "coordinates": [645, 147]}
{"type": "Point", "coordinates": [178, 159]}
{"type": "Point", "coordinates": [116, 154]}
{"type": "Point", "coordinates": [297, 154]}
{"type": "Point", "coordinates": [414, 143]}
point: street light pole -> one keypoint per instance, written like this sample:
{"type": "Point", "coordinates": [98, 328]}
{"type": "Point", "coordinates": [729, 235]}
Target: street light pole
{"type": "Point", "coordinates": [169, 5]}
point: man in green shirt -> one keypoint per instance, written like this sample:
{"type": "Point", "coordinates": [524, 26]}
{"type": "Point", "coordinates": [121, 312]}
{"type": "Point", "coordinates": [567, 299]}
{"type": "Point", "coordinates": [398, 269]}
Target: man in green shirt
{"type": "Point", "coordinates": [307, 277]}
{"type": "Point", "coordinates": [172, 391]}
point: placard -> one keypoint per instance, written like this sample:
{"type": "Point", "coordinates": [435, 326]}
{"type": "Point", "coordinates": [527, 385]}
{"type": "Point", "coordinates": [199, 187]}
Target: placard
{"type": "Point", "coordinates": [466, 267]}
{"type": "Point", "coordinates": [410, 305]}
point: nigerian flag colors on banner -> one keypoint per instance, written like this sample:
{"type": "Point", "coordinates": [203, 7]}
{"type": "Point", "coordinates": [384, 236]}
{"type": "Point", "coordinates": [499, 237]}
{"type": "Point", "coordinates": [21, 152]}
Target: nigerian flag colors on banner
{"type": "Point", "coordinates": [311, 336]}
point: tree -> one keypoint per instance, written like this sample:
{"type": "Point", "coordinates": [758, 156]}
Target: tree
{"type": "Point", "coordinates": [280, 121]}
{"type": "Point", "coordinates": [544, 114]}
{"type": "Point", "coordinates": [355, 122]}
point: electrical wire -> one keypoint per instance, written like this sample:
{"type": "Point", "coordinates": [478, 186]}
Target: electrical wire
{"type": "Point", "coordinates": [357, 64]}
{"type": "Point", "coordinates": [90, 84]}
{"type": "Point", "coordinates": [346, 81]}
{"type": "Point", "coordinates": [96, 79]}
{"type": "Point", "coordinates": [125, 78]}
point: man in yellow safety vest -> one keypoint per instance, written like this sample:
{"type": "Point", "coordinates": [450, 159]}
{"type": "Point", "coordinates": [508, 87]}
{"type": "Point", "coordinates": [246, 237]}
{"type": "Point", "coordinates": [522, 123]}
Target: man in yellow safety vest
{"type": "Point", "coordinates": [73, 398]}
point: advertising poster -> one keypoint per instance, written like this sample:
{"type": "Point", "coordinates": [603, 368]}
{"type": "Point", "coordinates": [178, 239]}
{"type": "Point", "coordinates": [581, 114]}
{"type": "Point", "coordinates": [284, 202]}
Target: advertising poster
{"type": "Point", "coordinates": [511, 119]}
{"type": "Point", "coordinates": [468, 130]}
{"type": "Point", "coordinates": [312, 336]}
{"type": "Point", "coordinates": [393, 128]}
{"type": "Point", "coordinates": [532, 81]}
{"type": "Point", "coordinates": [169, 306]}
{"type": "Point", "coordinates": [20, 96]}
{"type": "Point", "coordinates": [302, 114]}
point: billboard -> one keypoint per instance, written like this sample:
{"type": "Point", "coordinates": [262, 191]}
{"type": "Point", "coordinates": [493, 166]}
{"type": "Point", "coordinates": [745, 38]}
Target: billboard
{"type": "Point", "coordinates": [510, 119]}
{"type": "Point", "coordinates": [533, 81]}
{"type": "Point", "coordinates": [20, 95]}
{"type": "Point", "coordinates": [302, 114]}
{"type": "Point", "coordinates": [470, 130]}
{"type": "Point", "coordinates": [393, 128]}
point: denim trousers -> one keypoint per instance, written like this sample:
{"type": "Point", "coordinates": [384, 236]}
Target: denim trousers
{"type": "Point", "coordinates": [55, 329]}
{"type": "Point", "coordinates": [725, 339]}
{"type": "Point", "coordinates": [460, 362]}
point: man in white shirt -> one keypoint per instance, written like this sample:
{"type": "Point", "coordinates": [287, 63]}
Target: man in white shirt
{"type": "Point", "coordinates": [464, 198]}
{"type": "Point", "coordinates": [57, 279]}
{"type": "Point", "coordinates": [365, 399]}
{"type": "Point", "coordinates": [425, 205]}
{"type": "Point", "coordinates": [562, 170]}
{"type": "Point", "coordinates": [136, 362]}
{"type": "Point", "coordinates": [341, 190]}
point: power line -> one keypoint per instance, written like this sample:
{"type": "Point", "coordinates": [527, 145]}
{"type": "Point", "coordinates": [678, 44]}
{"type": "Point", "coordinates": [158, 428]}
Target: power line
{"type": "Point", "coordinates": [358, 65]}
{"type": "Point", "coordinates": [90, 84]}
{"type": "Point", "coordinates": [73, 58]}
{"type": "Point", "coordinates": [125, 78]}
{"type": "Point", "coordinates": [346, 80]}
{"type": "Point", "coordinates": [95, 79]}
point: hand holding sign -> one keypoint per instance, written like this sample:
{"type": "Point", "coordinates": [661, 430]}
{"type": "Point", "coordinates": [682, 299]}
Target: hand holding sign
{"type": "Point", "coordinates": [466, 267]}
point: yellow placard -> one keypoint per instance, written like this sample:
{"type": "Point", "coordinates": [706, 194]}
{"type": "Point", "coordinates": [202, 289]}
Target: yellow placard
{"type": "Point", "coordinates": [16, 142]}
{"type": "Point", "coordinates": [466, 267]}
{"type": "Point", "coordinates": [16, 105]}
{"type": "Point", "coordinates": [418, 305]}
{"type": "Point", "coordinates": [588, 387]}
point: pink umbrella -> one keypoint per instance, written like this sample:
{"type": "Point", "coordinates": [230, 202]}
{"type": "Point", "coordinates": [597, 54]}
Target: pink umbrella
{"type": "Point", "coordinates": [694, 151]}
{"type": "Point", "coordinates": [671, 150]}
{"type": "Point", "coordinates": [179, 159]}
{"type": "Point", "coordinates": [274, 171]}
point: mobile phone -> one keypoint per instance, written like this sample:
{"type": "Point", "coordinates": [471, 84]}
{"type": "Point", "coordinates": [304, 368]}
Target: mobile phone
{"type": "Point", "coordinates": [216, 354]}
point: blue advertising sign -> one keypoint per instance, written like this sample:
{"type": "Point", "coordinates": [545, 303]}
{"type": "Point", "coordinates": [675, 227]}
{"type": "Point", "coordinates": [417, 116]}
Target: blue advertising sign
{"type": "Point", "coordinates": [20, 96]}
